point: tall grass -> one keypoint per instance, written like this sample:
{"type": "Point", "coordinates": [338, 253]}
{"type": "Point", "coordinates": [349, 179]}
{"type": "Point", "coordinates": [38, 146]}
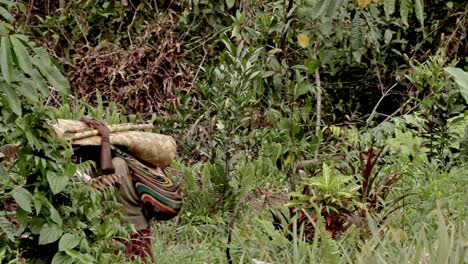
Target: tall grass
{"type": "Point", "coordinates": [255, 239]}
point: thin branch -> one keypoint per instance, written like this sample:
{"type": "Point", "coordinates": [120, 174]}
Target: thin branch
{"type": "Point", "coordinates": [401, 108]}
{"type": "Point", "coordinates": [28, 15]}
{"type": "Point", "coordinates": [198, 70]}
{"type": "Point", "coordinates": [234, 217]}
{"type": "Point", "coordinates": [319, 97]}
{"type": "Point", "coordinates": [374, 111]}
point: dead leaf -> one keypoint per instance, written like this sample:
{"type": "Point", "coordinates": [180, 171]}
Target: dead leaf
{"type": "Point", "coordinates": [363, 3]}
{"type": "Point", "coordinates": [303, 40]}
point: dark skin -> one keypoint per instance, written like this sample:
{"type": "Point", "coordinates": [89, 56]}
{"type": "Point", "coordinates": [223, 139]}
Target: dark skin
{"type": "Point", "coordinates": [106, 157]}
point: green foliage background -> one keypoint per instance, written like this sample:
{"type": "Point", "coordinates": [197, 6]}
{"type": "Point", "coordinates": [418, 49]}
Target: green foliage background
{"type": "Point", "coordinates": [271, 102]}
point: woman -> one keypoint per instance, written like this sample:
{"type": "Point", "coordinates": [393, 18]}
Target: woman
{"type": "Point", "coordinates": [144, 190]}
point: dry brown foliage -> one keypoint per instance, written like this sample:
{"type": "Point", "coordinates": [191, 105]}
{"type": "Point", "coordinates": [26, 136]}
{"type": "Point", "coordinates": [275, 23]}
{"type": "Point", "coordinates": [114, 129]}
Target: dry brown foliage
{"type": "Point", "coordinates": [144, 78]}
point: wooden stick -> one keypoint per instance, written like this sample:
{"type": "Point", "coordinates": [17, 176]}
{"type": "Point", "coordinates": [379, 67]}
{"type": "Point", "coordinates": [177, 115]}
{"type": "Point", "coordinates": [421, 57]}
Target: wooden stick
{"type": "Point", "coordinates": [74, 135]}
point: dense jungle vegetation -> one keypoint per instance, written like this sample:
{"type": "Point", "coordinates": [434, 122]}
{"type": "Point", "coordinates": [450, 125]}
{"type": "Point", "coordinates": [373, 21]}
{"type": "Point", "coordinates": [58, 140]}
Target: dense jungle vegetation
{"type": "Point", "coordinates": [308, 131]}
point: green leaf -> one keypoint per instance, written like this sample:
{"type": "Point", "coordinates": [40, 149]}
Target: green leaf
{"type": "Point", "coordinates": [53, 75]}
{"type": "Point", "coordinates": [389, 7]}
{"type": "Point", "coordinates": [333, 6]}
{"type": "Point", "coordinates": [22, 55]}
{"type": "Point", "coordinates": [319, 8]}
{"type": "Point", "coordinates": [12, 98]}
{"type": "Point", "coordinates": [62, 258]}
{"type": "Point", "coordinates": [8, 3]}
{"type": "Point", "coordinates": [357, 38]}
{"type": "Point", "coordinates": [40, 83]}
{"type": "Point", "coordinates": [3, 173]}
{"type": "Point", "coordinates": [38, 202]}
{"type": "Point", "coordinates": [5, 227]}
{"type": "Point", "coordinates": [302, 88]}
{"type": "Point", "coordinates": [405, 7]}
{"type": "Point", "coordinates": [6, 60]}
{"type": "Point", "coordinates": [22, 217]}
{"type": "Point", "coordinates": [357, 55]}
{"type": "Point", "coordinates": [312, 64]}
{"type": "Point", "coordinates": [388, 36]}
{"type": "Point", "coordinates": [49, 234]}
{"type": "Point", "coordinates": [419, 8]}
{"type": "Point", "coordinates": [326, 27]}
{"type": "Point", "coordinates": [23, 198]}
{"type": "Point", "coordinates": [68, 241]}
{"type": "Point", "coordinates": [230, 3]}
{"type": "Point", "coordinates": [36, 224]}
{"type": "Point", "coordinates": [56, 182]}
{"type": "Point", "coordinates": [6, 14]}
{"type": "Point", "coordinates": [55, 216]}
{"type": "Point", "coordinates": [461, 78]}
{"type": "Point", "coordinates": [28, 91]}
{"type": "Point", "coordinates": [42, 54]}
{"type": "Point", "coordinates": [85, 258]}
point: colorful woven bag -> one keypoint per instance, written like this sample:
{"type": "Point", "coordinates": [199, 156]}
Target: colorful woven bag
{"type": "Point", "coordinates": [160, 196]}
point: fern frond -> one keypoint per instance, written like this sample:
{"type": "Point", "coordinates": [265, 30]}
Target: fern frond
{"type": "Point", "coordinates": [356, 33]}
{"type": "Point", "coordinates": [6, 228]}
{"type": "Point", "coordinates": [357, 37]}
{"type": "Point", "coordinates": [26, 90]}
{"type": "Point", "coordinates": [39, 83]}
{"type": "Point", "coordinates": [329, 251]}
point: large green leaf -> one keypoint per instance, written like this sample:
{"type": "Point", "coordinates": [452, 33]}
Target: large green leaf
{"type": "Point", "coordinates": [28, 90]}
{"type": "Point", "coordinates": [6, 59]}
{"type": "Point", "coordinates": [36, 224]}
{"type": "Point", "coordinates": [23, 198]}
{"type": "Point", "coordinates": [62, 258]}
{"type": "Point", "coordinates": [68, 241]}
{"type": "Point", "coordinates": [22, 54]}
{"type": "Point", "coordinates": [53, 75]}
{"type": "Point", "coordinates": [56, 182]}
{"type": "Point", "coordinates": [5, 14]}
{"type": "Point", "coordinates": [49, 233]}
{"type": "Point", "coordinates": [230, 3]}
{"type": "Point", "coordinates": [8, 3]}
{"type": "Point", "coordinates": [84, 258]}
{"type": "Point", "coordinates": [461, 78]}
{"type": "Point", "coordinates": [42, 54]}
{"type": "Point", "coordinates": [40, 83]}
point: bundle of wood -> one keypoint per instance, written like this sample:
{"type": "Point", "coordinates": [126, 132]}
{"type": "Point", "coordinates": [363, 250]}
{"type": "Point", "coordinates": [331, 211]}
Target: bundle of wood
{"type": "Point", "coordinates": [156, 149]}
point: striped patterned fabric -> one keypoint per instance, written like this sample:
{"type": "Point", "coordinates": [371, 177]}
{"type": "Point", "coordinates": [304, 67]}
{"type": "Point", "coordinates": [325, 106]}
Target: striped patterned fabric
{"type": "Point", "coordinates": [160, 196]}
{"type": "Point", "coordinates": [102, 182]}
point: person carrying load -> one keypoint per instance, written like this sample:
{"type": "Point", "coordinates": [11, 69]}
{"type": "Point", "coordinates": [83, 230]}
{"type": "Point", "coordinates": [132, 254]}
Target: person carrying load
{"type": "Point", "coordinates": [136, 163]}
